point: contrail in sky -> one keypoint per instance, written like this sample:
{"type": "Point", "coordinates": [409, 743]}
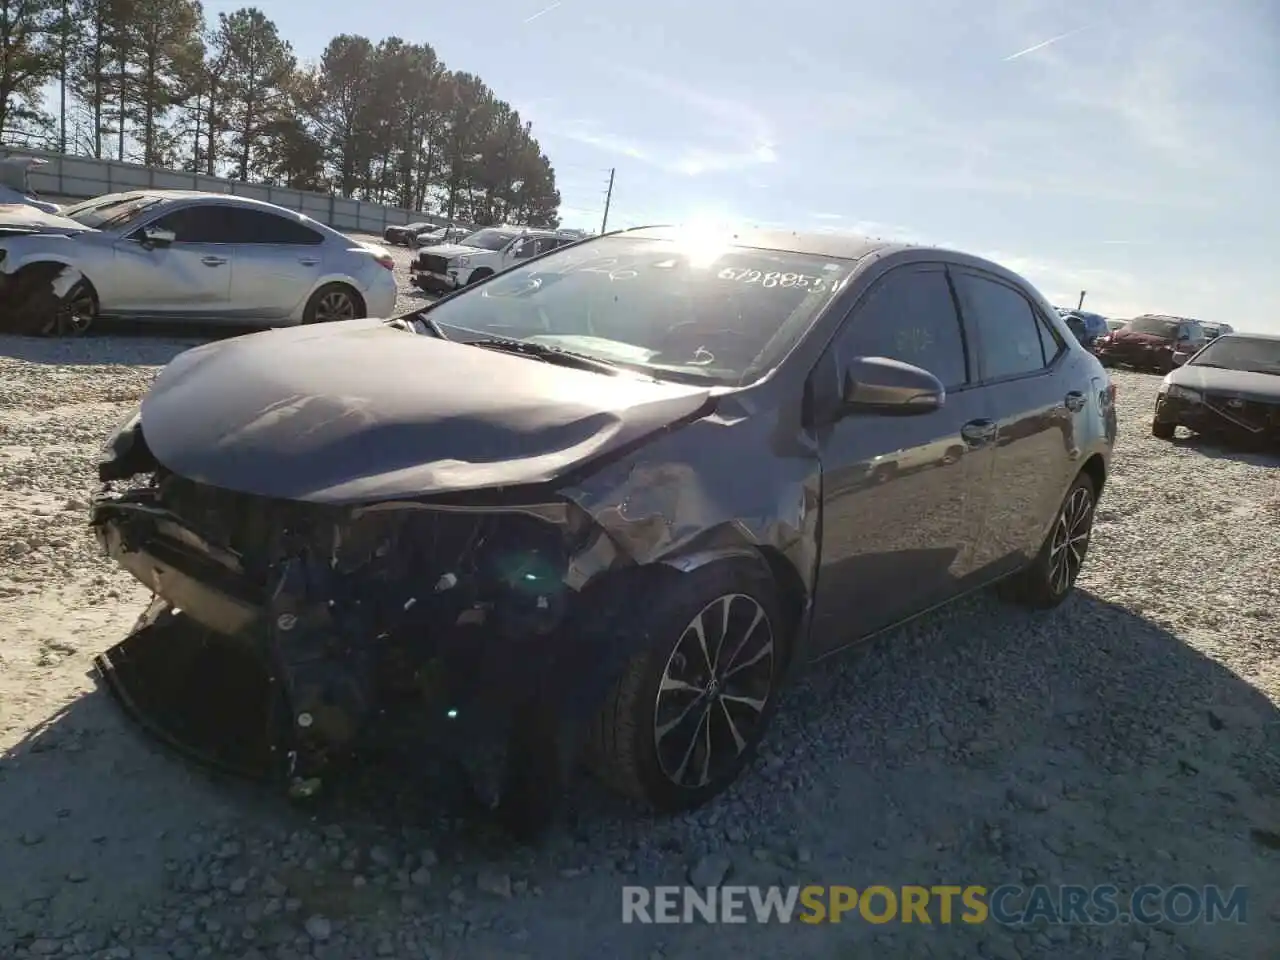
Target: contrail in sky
{"type": "Point", "coordinates": [541, 12]}
{"type": "Point", "coordinates": [1039, 46]}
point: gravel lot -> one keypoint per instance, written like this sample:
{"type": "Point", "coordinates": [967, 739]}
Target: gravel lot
{"type": "Point", "coordinates": [1130, 737]}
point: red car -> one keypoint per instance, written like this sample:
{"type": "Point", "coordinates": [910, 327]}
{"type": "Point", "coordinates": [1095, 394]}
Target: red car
{"type": "Point", "coordinates": [1152, 342]}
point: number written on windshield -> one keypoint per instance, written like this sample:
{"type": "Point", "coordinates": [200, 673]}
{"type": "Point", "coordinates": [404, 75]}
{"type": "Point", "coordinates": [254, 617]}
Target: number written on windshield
{"type": "Point", "coordinates": [776, 279]}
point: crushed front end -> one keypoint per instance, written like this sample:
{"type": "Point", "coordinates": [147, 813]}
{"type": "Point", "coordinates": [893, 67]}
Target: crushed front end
{"type": "Point", "coordinates": [446, 622]}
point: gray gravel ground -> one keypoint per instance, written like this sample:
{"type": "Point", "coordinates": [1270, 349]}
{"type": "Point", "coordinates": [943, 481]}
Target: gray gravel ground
{"type": "Point", "coordinates": [1130, 737]}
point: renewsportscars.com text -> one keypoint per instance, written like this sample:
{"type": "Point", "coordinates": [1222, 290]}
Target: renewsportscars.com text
{"type": "Point", "coordinates": [1008, 905]}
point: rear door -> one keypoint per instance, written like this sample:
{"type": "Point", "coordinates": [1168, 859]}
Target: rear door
{"type": "Point", "coordinates": [1021, 360]}
{"type": "Point", "coordinates": [187, 279]}
{"type": "Point", "coordinates": [900, 504]}
{"type": "Point", "coordinates": [278, 262]}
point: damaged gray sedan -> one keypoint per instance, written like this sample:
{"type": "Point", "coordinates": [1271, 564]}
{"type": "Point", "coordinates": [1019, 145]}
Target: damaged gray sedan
{"type": "Point", "coordinates": [601, 505]}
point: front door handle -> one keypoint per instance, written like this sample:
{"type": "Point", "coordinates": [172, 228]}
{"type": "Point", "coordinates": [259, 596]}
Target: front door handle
{"type": "Point", "coordinates": [213, 261]}
{"type": "Point", "coordinates": [308, 261]}
{"type": "Point", "coordinates": [977, 433]}
{"type": "Point", "coordinates": [1074, 401]}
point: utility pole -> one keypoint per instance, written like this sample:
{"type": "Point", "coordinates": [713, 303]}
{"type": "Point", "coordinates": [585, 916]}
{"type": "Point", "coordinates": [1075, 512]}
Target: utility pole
{"type": "Point", "coordinates": [64, 29]}
{"type": "Point", "coordinates": [608, 198]}
{"type": "Point", "coordinates": [1080, 305]}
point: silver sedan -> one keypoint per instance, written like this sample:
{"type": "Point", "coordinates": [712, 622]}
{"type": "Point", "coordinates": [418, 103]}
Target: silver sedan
{"type": "Point", "coordinates": [179, 255]}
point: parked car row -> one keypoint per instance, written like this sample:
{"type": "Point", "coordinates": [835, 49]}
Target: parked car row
{"type": "Point", "coordinates": [444, 267]}
{"type": "Point", "coordinates": [423, 234]}
{"type": "Point", "coordinates": [518, 516]}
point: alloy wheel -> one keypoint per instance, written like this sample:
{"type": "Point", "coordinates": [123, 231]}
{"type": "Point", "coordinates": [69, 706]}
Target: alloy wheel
{"type": "Point", "coordinates": [335, 305]}
{"type": "Point", "coordinates": [74, 315]}
{"type": "Point", "coordinates": [714, 689]}
{"type": "Point", "coordinates": [1070, 540]}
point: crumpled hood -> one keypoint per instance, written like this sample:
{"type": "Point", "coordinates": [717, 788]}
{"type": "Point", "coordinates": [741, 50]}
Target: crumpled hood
{"type": "Point", "coordinates": [359, 411]}
{"type": "Point", "coordinates": [1244, 384]}
{"type": "Point", "coordinates": [29, 219]}
{"type": "Point", "coordinates": [451, 250]}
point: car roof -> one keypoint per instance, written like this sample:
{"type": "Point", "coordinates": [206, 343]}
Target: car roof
{"type": "Point", "coordinates": [842, 246]}
{"type": "Point", "coordinates": [1237, 335]}
{"type": "Point", "coordinates": [200, 196]}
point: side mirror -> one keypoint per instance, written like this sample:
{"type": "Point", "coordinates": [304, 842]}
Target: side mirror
{"type": "Point", "coordinates": [158, 236]}
{"type": "Point", "coordinates": [881, 385]}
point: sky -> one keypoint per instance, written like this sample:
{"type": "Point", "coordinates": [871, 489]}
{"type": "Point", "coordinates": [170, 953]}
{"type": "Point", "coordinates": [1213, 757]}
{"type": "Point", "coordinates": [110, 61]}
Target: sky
{"type": "Point", "coordinates": [1129, 149]}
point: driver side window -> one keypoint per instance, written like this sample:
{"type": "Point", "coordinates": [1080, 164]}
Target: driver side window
{"type": "Point", "coordinates": [909, 315]}
{"type": "Point", "coordinates": [204, 224]}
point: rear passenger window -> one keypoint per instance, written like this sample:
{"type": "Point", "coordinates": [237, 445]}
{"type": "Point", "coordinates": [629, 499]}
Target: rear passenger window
{"type": "Point", "coordinates": [1008, 331]}
{"type": "Point", "coordinates": [909, 316]}
{"type": "Point", "coordinates": [260, 226]}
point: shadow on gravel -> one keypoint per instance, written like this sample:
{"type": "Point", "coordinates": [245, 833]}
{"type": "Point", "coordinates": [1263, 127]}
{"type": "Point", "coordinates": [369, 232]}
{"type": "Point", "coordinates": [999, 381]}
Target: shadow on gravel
{"type": "Point", "coordinates": [1257, 456]}
{"type": "Point", "coordinates": [149, 344]}
{"type": "Point", "coordinates": [982, 745]}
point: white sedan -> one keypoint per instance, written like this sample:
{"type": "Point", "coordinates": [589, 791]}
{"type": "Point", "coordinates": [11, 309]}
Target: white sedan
{"type": "Point", "coordinates": [183, 255]}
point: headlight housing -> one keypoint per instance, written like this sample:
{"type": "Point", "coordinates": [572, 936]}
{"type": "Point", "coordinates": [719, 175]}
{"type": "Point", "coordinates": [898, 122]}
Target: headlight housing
{"type": "Point", "coordinates": [460, 262]}
{"type": "Point", "coordinates": [1183, 393]}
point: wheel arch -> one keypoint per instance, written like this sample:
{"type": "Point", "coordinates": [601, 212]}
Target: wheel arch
{"type": "Point", "coordinates": [793, 597]}
{"type": "Point", "coordinates": [1096, 469]}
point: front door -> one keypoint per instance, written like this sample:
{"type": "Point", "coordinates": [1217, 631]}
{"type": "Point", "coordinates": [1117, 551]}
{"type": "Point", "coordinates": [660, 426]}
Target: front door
{"type": "Point", "coordinates": [899, 515]}
{"type": "Point", "coordinates": [189, 278]}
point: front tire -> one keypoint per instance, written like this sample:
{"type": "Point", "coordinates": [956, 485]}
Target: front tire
{"type": "Point", "coordinates": [690, 709]}
{"type": "Point", "coordinates": [1163, 431]}
{"type": "Point", "coordinates": [1052, 575]}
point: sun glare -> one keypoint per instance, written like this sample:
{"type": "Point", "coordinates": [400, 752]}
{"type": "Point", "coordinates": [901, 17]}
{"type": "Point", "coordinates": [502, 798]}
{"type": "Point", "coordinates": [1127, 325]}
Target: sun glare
{"type": "Point", "coordinates": [704, 240]}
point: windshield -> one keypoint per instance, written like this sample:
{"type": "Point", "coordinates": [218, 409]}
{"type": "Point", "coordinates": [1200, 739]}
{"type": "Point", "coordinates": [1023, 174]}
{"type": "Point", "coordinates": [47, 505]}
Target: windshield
{"type": "Point", "coordinates": [489, 239]}
{"type": "Point", "coordinates": [1240, 353]}
{"type": "Point", "coordinates": [651, 303]}
{"type": "Point", "coordinates": [116, 212]}
{"type": "Point", "coordinates": [1154, 326]}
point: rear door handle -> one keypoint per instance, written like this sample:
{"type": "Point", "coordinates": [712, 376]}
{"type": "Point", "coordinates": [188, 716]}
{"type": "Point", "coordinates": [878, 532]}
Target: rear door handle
{"type": "Point", "coordinates": [976, 433]}
{"type": "Point", "coordinates": [213, 261]}
{"type": "Point", "coordinates": [308, 261]}
{"type": "Point", "coordinates": [1074, 401]}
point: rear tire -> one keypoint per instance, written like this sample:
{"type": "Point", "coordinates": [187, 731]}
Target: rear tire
{"type": "Point", "coordinates": [686, 716]}
{"type": "Point", "coordinates": [333, 302]}
{"type": "Point", "coordinates": [1052, 575]}
{"type": "Point", "coordinates": [1163, 431]}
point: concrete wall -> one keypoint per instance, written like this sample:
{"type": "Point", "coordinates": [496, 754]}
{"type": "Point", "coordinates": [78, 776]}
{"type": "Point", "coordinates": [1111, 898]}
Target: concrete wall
{"type": "Point", "coordinates": [84, 177]}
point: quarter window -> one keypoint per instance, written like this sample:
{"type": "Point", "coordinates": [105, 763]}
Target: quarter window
{"type": "Point", "coordinates": [1009, 334]}
{"type": "Point", "coordinates": [909, 316]}
{"type": "Point", "coordinates": [1050, 342]}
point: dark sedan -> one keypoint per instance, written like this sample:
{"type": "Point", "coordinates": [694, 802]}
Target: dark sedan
{"type": "Point", "coordinates": [601, 504]}
{"type": "Point", "coordinates": [405, 235]}
{"type": "Point", "coordinates": [1230, 389]}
